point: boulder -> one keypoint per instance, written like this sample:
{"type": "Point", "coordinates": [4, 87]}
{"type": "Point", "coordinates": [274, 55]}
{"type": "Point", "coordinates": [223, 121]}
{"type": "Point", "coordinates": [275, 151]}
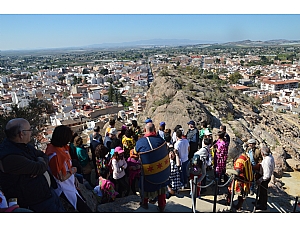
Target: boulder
{"type": "Point", "coordinates": [89, 196]}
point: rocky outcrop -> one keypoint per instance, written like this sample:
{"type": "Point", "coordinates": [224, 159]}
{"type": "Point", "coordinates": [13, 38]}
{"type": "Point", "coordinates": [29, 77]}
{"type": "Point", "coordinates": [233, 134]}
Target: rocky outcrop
{"type": "Point", "coordinates": [177, 103]}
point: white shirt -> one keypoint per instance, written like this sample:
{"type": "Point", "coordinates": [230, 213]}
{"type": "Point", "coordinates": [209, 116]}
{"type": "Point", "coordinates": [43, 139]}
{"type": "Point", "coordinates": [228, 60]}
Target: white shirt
{"type": "Point", "coordinates": [174, 138]}
{"type": "Point", "coordinates": [161, 134]}
{"type": "Point", "coordinates": [67, 186]}
{"type": "Point", "coordinates": [268, 166]}
{"type": "Point", "coordinates": [204, 153]}
{"type": "Point", "coordinates": [116, 165]}
{"type": "Point", "coordinates": [182, 146]}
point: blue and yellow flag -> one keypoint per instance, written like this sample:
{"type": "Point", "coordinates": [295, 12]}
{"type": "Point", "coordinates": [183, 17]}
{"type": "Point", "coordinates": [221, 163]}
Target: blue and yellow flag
{"type": "Point", "coordinates": [156, 164]}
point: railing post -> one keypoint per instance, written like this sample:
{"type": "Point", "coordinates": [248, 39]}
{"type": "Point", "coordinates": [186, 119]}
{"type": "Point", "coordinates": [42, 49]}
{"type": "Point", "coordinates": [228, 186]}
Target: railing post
{"type": "Point", "coordinates": [215, 195]}
{"type": "Point", "coordinates": [232, 192]}
{"type": "Point", "coordinates": [296, 204]}
{"type": "Point", "coordinates": [256, 198]}
{"type": "Point", "coordinates": [192, 195]}
{"type": "Point", "coordinates": [195, 189]}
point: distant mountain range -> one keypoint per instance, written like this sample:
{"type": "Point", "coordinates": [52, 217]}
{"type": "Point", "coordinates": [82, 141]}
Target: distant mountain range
{"type": "Point", "coordinates": [150, 43]}
{"type": "Point", "coordinates": [166, 43]}
{"type": "Point", "coordinates": [275, 42]}
{"type": "Point", "coordinates": [183, 42]}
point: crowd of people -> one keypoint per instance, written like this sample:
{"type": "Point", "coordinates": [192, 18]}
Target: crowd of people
{"type": "Point", "coordinates": [157, 163]}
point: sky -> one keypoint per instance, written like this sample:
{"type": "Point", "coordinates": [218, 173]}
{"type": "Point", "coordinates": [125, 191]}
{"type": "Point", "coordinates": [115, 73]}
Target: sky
{"type": "Point", "coordinates": [61, 25]}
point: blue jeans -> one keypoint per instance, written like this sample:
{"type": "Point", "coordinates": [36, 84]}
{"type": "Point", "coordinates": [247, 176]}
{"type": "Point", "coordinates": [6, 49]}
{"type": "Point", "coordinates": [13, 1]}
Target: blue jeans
{"type": "Point", "coordinates": [183, 173]}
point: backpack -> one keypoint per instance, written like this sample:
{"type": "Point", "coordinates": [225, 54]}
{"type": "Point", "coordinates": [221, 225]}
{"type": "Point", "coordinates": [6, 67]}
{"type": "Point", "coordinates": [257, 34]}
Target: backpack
{"type": "Point", "coordinates": [195, 166]}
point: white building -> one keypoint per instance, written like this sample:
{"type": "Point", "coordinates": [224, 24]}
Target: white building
{"type": "Point", "coordinates": [277, 85]}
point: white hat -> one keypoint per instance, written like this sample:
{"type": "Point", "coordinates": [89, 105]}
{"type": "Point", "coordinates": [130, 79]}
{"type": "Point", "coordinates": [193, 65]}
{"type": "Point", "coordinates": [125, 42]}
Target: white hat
{"type": "Point", "coordinates": [207, 133]}
{"type": "Point", "coordinates": [113, 131]}
{"type": "Point", "coordinates": [253, 141]}
{"type": "Point", "coordinates": [202, 153]}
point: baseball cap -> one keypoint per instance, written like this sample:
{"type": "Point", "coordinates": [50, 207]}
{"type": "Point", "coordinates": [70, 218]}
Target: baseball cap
{"type": "Point", "coordinates": [113, 131]}
{"type": "Point", "coordinates": [148, 120]}
{"type": "Point", "coordinates": [251, 141]}
{"type": "Point", "coordinates": [162, 123]}
{"type": "Point", "coordinates": [191, 122]}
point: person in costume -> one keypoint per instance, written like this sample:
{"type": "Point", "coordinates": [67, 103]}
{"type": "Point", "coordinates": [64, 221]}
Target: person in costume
{"type": "Point", "coordinates": [242, 169]}
{"type": "Point", "coordinates": [153, 153]}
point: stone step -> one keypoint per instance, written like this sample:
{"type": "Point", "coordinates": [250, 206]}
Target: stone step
{"type": "Point", "coordinates": [182, 203]}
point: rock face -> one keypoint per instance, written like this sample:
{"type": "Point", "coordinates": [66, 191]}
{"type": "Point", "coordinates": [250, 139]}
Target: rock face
{"type": "Point", "coordinates": [177, 99]}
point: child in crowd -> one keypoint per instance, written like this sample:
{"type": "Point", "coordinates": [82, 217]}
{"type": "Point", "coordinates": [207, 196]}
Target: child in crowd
{"type": "Point", "coordinates": [175, 184]}
{"type": "Point", "coordinates": [134, 166]}
{"type": "Point", "coordinates": [119, 165]}
{"type": "Point", "coordinates": [102, 159]}
{"type": "Point", "coordinates": [107, 187]}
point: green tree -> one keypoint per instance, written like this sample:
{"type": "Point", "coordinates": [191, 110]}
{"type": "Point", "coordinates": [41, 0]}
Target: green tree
{"type": "Point", "coordinates": [111, 92]}
{"type": "Point", "coordinates": [117, 96]}
{"type": "Point", "coordinates": [34, 113]}
{"type": "Point", "coordinates": [85, 71]}
{"type": "Point", "coordinates": [76, 80]}
{"type": "Point", "coordinates": [61, 78]}
{"type": "Point", "coordinates": [104, 71]}
{"type": "Point", "coordinates": [109, 80]}
{"type": "Point", "coordinates": [234, 77]}
{"type": "Point", "coordinates": [257, 72]}
{"type": "Point", "coordinates": [263, 58]}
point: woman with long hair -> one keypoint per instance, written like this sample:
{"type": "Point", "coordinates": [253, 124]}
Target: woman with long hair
{"type": "Point", "coordinates": [84, 159]}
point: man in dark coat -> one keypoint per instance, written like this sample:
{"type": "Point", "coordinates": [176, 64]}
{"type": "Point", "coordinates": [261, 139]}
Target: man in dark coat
{"type": "Point", "coordinates": [192, 136]}
{"type": "Point", "coordinates": [23, 170]}
{"type": "Point", "coordinates": [96, 140]}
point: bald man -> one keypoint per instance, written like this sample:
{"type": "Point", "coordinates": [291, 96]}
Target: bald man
{"type": "Point", "coordinates": [23, 170]}
{"type": "Point", "coordinates": [153, 152]}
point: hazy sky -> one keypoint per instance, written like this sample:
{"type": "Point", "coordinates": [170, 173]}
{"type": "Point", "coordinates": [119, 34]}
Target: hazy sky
{"type": "Point", "coordinates": [54, 30]}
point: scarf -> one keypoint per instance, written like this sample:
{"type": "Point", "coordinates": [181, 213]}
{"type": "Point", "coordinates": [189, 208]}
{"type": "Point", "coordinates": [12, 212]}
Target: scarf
{"type": "Point", "coordinates": [63, 158]}
{"type": "Point", "coordinates": [150, 134]}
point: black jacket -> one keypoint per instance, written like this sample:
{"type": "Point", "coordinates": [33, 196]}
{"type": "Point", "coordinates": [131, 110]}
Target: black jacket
{"type": "Point", "coordinates": [22, 175]}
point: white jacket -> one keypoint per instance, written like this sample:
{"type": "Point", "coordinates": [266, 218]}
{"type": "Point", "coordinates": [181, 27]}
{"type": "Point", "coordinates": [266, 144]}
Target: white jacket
{"type": "Point", "coordinates": [118, 172]}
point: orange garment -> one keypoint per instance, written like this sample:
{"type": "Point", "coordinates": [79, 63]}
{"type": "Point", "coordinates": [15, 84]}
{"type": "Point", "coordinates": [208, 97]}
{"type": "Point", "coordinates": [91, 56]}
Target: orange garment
{"type": "Point", "coordinates": [62, 158]}
{"type": "Point", "coordinates": [243, 163]}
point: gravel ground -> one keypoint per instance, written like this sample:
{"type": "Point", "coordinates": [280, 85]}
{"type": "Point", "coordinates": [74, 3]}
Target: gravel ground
{"type": "Point", "coordinates": [126, 204]}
